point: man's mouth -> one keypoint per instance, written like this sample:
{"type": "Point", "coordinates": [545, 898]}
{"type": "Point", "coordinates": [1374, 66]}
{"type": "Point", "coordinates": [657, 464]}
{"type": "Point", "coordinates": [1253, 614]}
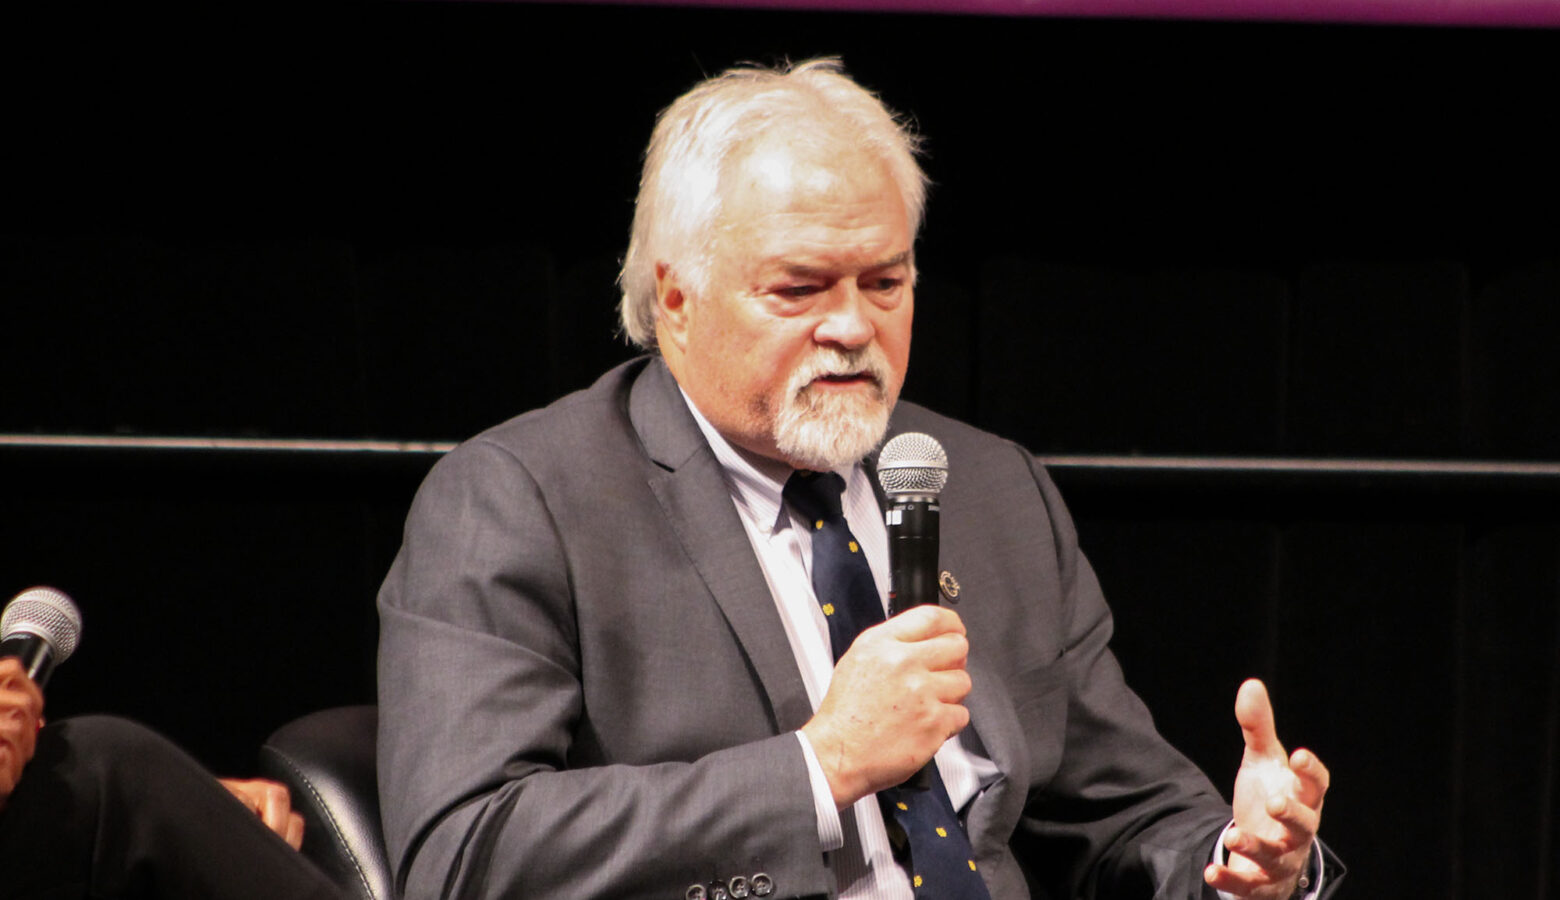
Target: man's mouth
{"type": "Point", "coordinates": [847, 378]}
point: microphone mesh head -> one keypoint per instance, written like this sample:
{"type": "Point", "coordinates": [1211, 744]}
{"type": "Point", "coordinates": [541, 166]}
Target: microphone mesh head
{"type": "Point", "coordinates": [913, 463]}
{"type": "Point", "coordinates": [47, 613]}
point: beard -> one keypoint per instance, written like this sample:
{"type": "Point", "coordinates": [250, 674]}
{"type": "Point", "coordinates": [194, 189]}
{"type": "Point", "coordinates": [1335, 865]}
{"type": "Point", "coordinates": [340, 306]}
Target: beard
{"type": "Point", "coordinates": [823, 430]}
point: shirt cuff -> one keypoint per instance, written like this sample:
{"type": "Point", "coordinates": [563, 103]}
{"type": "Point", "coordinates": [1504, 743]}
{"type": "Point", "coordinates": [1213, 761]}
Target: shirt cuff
{"type": "Point", "coordinates": [1310, 882]}
{"type": "Point", "coordinates": [831, 835]}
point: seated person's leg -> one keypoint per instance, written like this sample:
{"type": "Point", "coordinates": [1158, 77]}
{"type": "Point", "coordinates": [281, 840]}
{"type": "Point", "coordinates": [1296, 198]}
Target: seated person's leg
{"type": "Point", "coordinates": [107, 809]}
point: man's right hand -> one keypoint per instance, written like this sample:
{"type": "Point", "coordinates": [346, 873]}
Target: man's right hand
{"type": "Point", "coordinates": [895, 698]}
{"type": "Point", "coordinates": [21, 708]}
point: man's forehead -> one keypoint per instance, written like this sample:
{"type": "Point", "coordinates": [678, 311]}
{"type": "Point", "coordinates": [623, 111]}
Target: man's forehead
{"type": "Point", "coordinates": [778, 167]}
{"type": "Point", "coordinates": [780, 181]}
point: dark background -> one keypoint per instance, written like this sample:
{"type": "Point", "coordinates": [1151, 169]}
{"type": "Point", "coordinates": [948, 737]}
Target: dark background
{"type": "Point", "coordinates": [401, 221]}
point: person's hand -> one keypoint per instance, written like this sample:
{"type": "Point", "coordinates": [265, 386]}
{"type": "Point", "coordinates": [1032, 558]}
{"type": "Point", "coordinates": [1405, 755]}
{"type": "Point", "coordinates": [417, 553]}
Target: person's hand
{"type": "Point", "coordinates": [21, 709]}
{"type": "Point", "coordinates": [893, 700]}
{"type": "Point", "coordinates": [1278, 808]}
{"type": "Point", "coordinates": [271, 802]}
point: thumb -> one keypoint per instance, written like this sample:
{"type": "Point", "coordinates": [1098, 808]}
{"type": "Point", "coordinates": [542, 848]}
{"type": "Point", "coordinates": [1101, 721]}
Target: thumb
{"type": "Point", "coordinates": [1254, 712]}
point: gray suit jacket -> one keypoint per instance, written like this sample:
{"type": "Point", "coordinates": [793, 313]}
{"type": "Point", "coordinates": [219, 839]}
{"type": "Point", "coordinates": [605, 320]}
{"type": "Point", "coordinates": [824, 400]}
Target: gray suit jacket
{"type": "Point", "coordinates": [586, 690]}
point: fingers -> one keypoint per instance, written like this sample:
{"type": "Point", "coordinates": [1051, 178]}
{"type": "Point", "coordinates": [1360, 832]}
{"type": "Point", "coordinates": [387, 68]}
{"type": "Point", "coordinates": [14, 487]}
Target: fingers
{"type": "Point", "coordinates": [935, 635]}
{"type": "Point", "coordinates": [918, 623]}
{"type": "Point", "coordinates": [1254, 885]}
{"type": "Point", "coordinates": [10, 772]}
{"type": "Point", "coordinates": [943, 653]}
{"type": "Point", "coordinates": [950, 718]}
{"type": "Point", "coordinates": [239, 789]}
{"type": "Point", "coordinates": [1277, 806]}
{"type": "Point", "coordinates": [1300, 821]}
{"type": "Point", "coordinates": [927, 637]}
{"type": "Point", "coordinates": [895, 696]}
{"type": "Point", "coordinates": [1275, 854]}
{"type": "Point", "coordinates": [17, 691]}
{"type": "Point", "coordinates": [275, 807]}
{"type": "Point", "coordinates": [1312, 777]}
{"type": "Point", "coordinates": [294, 835]}
{"type": "Point", "coordinates": [271, 803]}
{"type": "Point", "coordinates": [1247, 878]}
{"type": "Point", "coordinates": [950, 686]}
{"type": "Point", "coordinates": [1258, 868]}
{"type": "Point", "coordinates": [21, 712]}
{"type": "Point", "coordinates": [1254, 712]}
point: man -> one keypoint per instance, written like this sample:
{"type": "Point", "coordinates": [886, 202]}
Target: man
{"type": "Point", "coordinates": [608, 664]}
{"type": "Point", "coordinates": [97, 807]}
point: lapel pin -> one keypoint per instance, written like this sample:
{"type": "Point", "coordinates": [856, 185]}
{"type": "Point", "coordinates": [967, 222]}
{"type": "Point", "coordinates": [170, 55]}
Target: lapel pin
{"type": "Point", "coordinates": [949, 586]}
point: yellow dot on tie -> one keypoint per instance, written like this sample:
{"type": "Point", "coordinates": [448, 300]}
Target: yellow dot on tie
{"type": "Point", "coordinates": [818, 524]}
{"type": "Point", "coordinates": [917, 881]}
{"type": "Point", "coordinates": [942, 832]}
{"type": "Point", "coordinates": [972, 865]}
{"type": "Point", "coordinates": [855, 547]}
{"type": "Point", "coordinates": [828, 609]}
{"type": "Point", "coordinates": [901, 805]}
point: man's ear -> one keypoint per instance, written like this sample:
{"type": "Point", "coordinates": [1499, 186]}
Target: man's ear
{"type": "Point", "coordinates": [671, 320]}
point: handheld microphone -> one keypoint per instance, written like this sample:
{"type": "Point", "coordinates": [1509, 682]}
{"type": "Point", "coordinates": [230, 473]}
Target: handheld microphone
{"type": "Point", "coordinates": [41, 627]}
{"type": "Point", "coordinates": [913, 470]}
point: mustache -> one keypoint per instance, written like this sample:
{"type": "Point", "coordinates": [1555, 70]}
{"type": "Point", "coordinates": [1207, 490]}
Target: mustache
{"type": "Point", "coordinates": [829, 361]}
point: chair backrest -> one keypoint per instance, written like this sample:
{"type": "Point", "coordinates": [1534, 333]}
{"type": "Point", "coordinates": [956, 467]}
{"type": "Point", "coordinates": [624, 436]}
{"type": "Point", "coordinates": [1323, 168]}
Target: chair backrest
{"type": "Point", "coordinates": [326, 759]}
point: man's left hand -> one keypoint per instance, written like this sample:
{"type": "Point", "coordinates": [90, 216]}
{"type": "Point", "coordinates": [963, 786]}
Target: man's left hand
{"type": "Point", "coordinates": [271, 802]}
{"type": "Point", "coordinates": [1278, 808]}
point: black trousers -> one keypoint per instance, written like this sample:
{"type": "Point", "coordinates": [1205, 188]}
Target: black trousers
{"type": "Point", "coordinates": [107, 809]}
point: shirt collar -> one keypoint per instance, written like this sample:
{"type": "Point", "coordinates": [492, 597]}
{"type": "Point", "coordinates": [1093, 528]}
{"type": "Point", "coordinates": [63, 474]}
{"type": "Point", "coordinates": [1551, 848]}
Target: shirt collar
{"type": "Point", "coordinates": [756, 482]}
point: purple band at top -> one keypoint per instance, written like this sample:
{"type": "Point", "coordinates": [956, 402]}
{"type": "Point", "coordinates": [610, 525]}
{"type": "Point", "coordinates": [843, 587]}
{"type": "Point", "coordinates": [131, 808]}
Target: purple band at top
{"type": "Point", "coordinates": [1507, 13]}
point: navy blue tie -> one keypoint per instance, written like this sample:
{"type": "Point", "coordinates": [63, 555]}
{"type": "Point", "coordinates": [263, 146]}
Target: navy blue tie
{"type": "Point", "coordinates": [923, 829]}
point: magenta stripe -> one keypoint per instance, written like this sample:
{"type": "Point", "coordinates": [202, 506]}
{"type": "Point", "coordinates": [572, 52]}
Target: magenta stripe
{"type": "Point", "coordinates": [1518, 13]}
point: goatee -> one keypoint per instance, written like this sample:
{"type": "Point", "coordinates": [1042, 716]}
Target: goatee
{"type": "Point", "coordinates": [825, 429]}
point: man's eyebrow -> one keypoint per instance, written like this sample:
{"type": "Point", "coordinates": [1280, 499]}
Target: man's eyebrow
{"type": "Point", "coordinates": [801, 270]}
{"type": "Point", "coordinates": [898, 259]}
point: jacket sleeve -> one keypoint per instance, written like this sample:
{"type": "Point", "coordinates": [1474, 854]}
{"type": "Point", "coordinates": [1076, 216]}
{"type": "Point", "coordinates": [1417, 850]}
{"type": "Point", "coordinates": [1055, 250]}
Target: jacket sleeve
{"type": "Point", "coordinates": [1130, 814]}
{"type": "Point", "coordinates": [481, 716]}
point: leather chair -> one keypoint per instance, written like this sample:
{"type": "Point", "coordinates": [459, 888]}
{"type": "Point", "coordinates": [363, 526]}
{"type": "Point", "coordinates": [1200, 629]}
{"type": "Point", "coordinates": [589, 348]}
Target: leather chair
{"type": "Point", "coordinates": [326, 759]}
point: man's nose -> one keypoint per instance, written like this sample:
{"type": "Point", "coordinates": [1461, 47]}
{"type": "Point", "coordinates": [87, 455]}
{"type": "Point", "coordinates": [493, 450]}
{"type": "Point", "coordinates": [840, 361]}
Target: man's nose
{"type": "Point", "coordinates": [847, 320]}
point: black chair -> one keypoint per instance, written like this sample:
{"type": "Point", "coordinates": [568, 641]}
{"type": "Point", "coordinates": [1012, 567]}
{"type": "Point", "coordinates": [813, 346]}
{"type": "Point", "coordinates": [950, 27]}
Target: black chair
{"type": "Point", "coordinates": [326, 759]}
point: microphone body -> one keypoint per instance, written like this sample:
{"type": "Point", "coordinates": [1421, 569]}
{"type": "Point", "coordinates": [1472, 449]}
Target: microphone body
{"type": "Point", "coordinates": [913, 469]}
{"type": "Point", "coordinates": [912, 551]}
{"type": "Point", "coordinates": [36, 656]}
{"type": "Point", "coordinates": [40, 627]}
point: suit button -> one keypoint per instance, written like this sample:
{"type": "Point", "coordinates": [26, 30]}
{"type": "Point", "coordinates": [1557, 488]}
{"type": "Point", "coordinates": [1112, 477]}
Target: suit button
{"type": "Point", "coordinates": [738, 887]}
{"type": "Point", "coordinates": [762, 885]}
{"type": "Point", "coordinates": [695, 892]}
{"type": "Point", "coordinates": [718, 891]}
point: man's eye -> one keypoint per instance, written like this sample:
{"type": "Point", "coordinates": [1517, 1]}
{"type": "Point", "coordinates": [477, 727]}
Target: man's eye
{"type": "Point", "coordinates": [884, 284]}
{"type": "Point", "coordinates": [798, 291]}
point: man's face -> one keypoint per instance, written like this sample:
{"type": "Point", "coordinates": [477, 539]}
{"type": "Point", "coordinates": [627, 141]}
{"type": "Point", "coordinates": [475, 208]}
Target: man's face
{"type": "Point", "coordinates": [797, 348]}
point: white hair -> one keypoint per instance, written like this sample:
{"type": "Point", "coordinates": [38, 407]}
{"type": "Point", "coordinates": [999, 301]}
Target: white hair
{"type": "Point", "coordinates": [699, 135]}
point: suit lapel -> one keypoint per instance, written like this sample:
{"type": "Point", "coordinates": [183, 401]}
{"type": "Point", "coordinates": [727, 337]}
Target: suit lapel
{"type": "Point", "coordinates": [694, 497]}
